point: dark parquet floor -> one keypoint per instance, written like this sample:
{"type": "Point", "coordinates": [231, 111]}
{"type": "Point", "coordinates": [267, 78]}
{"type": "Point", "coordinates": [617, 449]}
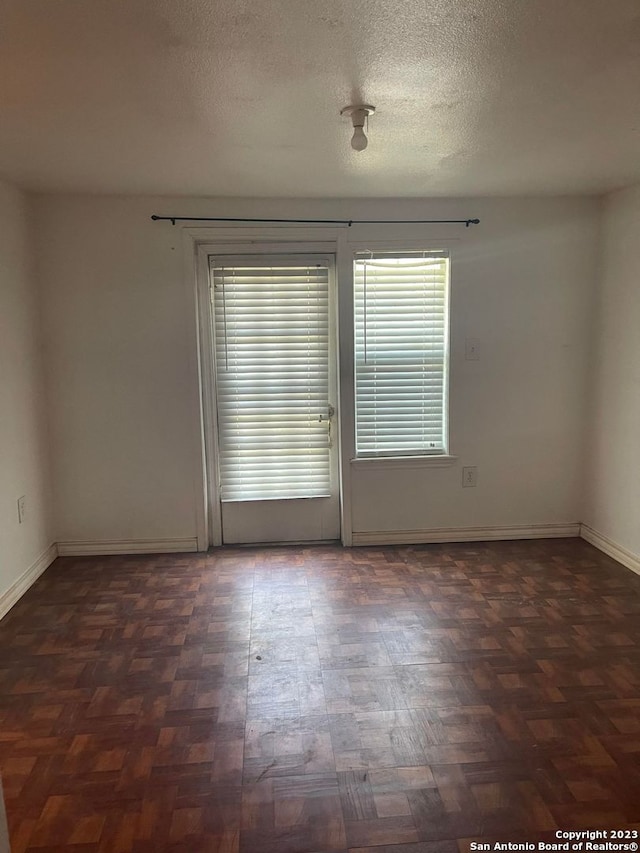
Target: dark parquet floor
{"type": "Point", "coordinates": [307, 700]}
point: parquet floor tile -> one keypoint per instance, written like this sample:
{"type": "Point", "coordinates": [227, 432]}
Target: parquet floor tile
{"type": "Point", "coordinates": [322, 700]}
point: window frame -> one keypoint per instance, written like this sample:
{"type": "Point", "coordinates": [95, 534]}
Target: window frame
{"type": "Point", "coordinates": [396, 459]}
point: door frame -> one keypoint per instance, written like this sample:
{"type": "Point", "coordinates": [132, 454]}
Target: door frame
{"type": "Point", "coordinates": [199, 244]}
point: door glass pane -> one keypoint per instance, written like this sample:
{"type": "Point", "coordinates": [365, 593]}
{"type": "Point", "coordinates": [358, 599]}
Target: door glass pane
{"type": "Point", "coordinates": [272, 356]}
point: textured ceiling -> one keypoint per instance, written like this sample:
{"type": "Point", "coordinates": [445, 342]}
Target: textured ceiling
{"type": "Point", "coordinates": [242, 97]}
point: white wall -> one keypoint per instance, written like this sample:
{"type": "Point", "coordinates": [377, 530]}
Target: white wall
{"type": "Point", "coordinates": [612, 506]}
{"type": "Point", "coordinates": [522, 284]}
{"type": "Point", "coordinates": [118, 370]}
{"type": "Point", "coordinates": [24, 467]}
{"type": "Point", "coordinates": [124, 408]}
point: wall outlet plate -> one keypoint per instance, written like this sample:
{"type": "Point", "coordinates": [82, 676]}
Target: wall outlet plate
{"type": "Point", "coordinates": [470, 476]}
{"type": "Point", "coordinates": [22, 508]}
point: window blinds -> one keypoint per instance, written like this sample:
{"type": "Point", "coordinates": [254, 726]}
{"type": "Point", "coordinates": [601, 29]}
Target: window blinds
{"type": "Point", "coordinates": [272, 356]}
{"type": "Point", "coordinates": [401, 339]}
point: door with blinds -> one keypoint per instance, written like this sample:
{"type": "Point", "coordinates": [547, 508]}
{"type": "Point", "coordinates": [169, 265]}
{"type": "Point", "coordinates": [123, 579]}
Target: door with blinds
{"type": "Point", "coordinates": [275, 378]}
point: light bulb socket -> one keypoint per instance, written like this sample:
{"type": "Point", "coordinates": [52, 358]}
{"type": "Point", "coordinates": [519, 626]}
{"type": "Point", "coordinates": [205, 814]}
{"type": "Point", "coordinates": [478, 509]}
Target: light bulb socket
{"type": "Point", "coordinates": [367, 109]}
{"type": "Point", "coordinates": [358, 113]}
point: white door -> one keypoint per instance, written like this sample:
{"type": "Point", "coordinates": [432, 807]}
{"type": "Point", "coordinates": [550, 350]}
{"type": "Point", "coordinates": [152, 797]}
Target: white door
{"type": "Point", "coordinates": [275, 376]}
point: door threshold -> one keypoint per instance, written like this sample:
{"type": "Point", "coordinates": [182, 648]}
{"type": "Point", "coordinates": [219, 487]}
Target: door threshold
{"type": "Point", "coordinates": [296, 543]}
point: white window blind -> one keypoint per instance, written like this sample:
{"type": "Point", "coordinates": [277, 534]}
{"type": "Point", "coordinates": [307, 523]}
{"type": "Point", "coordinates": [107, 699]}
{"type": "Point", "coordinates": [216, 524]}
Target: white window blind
{"type": "Point", "coordinates": [401, 358]}
{"type": "Point", "coordinates": [272, 357]}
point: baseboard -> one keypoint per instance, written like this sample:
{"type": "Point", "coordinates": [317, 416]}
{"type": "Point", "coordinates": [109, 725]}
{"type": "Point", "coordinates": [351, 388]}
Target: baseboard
{"type": "Point", "coordinates": [104, 547]}
{"type": "Point", "coordinates": [610, 548]}
{"type": "Point", "coordinates": [27, 579]}
{"type": "Point", "coordinates": [466, 534]}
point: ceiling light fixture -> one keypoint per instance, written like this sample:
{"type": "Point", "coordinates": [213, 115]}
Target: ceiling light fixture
{"type": "Point", "coordinates": [358, 115]}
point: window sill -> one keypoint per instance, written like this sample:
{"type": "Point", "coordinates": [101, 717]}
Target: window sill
{"type": "Point", "coordinates": [390, 462]}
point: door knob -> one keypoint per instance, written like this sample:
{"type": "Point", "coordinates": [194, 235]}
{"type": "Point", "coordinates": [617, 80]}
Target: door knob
{"type": "Point", "coordinates": [330, 413]}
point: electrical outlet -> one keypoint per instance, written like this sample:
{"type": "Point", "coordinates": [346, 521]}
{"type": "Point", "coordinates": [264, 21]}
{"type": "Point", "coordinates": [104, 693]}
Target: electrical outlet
{"type": "Point", "coordinates": [22, 508]}
{"type": "Point", "coordinates": [472, 349]}
{"type": "Point", "coordinates": [469, 477]}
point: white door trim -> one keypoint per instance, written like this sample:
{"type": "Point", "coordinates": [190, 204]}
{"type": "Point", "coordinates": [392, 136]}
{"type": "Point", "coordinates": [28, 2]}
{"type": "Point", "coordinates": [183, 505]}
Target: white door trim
{"type": "Point", "coordinates": [198, 244]}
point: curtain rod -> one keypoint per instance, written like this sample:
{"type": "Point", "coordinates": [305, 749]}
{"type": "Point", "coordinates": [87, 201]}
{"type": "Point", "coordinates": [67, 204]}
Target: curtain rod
{"type": "Point", "coordinates": [349, 222]}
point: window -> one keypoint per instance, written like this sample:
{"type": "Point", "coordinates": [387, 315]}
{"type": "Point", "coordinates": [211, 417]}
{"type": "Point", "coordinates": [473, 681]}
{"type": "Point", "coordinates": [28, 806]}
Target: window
{"type": "Point", "coordinates": [401, 353]}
